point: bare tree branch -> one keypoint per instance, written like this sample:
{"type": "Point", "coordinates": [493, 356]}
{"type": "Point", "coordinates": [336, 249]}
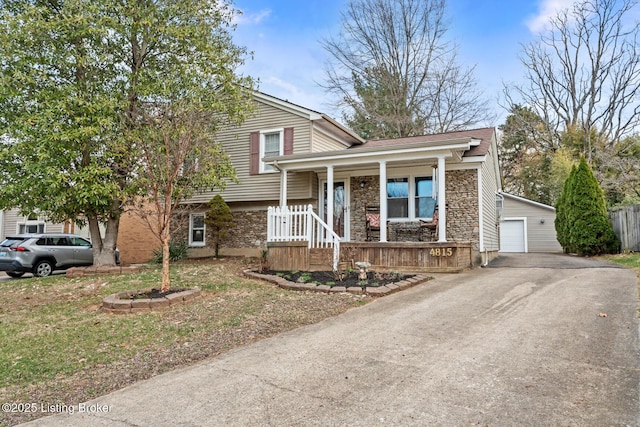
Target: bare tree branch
{"type": "Point", "coordinates": [395, 74]}
{"type": "Point", "coordinates": [585, 72]}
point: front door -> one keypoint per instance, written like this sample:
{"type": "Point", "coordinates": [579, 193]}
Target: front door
{"type": "Point", "coordinates": [340, 208]}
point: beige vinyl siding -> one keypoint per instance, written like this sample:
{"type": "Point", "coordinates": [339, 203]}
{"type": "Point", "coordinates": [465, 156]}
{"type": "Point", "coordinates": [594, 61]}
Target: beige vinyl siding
{"type": "Point", "coordinates": [263, 186]}
{"type": "Point", "coordinates": [322, 141]}
{"type": "Point", "coordinates": [541, 237]}
{"type": "Point", "coordinates": [490, 188]}
{"type": "Point", "coordinates": [12, 217]}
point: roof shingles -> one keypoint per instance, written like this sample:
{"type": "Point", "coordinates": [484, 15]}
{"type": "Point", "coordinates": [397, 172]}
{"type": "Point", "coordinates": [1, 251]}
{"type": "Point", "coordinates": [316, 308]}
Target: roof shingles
{"type": "Point", "coordinates": [485, 136]}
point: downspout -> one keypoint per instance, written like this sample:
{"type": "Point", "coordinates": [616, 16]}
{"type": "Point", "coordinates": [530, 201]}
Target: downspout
{"type": "Point", "coordinates": [486, 258]}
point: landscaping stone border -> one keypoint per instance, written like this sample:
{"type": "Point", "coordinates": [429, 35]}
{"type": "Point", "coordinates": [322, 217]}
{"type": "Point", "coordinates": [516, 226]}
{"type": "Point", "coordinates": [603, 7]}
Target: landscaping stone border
{"type": "Point", "coordinates": [374, 291]}
{"type": "Point", "coordinates": [121, 303]}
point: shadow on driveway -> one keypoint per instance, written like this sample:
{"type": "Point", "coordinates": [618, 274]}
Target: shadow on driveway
{"type": "Point", "coordinates": [545, 260]}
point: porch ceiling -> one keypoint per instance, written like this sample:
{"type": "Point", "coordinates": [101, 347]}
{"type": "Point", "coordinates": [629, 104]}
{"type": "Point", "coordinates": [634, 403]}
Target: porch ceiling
{"type": "Point", "coordinates": [415, 152]}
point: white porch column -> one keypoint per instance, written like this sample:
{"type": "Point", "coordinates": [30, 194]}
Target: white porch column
{"type": "Point", "coordinates": [383, 201]}
{"type": "Point", "coordinates": [442, 202]}
{"type": "Point", "coordinates": [329, 213]}
{"type": "Point", "coordinates": [283, 187]}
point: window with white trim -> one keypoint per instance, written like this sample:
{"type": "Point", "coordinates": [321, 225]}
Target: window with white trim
{"type": "Point", "coordinates": [271, 144]}
{"type": "Point", "coordinates": [197, 229]}
{"type": "Point", "coordinates": [32, 224]}
{"type": "Point", "coordinates": [410, 198]}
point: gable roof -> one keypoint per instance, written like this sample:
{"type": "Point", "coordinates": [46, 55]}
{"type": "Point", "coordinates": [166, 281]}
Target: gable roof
{"type": "Point", "coordinates": [527, 201]}
{"type": "Point", "coordinates": [480, 147]}
{"type": "Point", "coordinates": [321, 119]}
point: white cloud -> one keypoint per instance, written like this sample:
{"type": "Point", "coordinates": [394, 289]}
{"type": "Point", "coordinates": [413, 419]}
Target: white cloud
{"type": "Point", "coordinates": [252, 18]}
{"type": "Point", "coordinates": [547, 10]}
{"type": "Point", "coordinates": [287, 87]}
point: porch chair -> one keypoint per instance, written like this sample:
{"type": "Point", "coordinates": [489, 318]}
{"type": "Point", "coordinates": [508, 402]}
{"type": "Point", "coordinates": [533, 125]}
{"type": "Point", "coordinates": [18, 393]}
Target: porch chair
{"type": "Point", "coordinates": [372, 220]}
{"type": "Point", "coordinates": [430, 226]}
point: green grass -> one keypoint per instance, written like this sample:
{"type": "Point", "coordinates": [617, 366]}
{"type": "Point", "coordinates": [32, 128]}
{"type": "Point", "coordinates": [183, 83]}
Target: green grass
{"type": "Point", "coordinates": [629, 260]}
{"type": "Point", "coordinates": [56, 341]}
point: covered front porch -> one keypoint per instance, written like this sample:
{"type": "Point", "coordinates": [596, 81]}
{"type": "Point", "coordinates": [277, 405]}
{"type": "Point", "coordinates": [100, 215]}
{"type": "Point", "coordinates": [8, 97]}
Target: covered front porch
{"type": "Point", "coordinates": [408, 184]}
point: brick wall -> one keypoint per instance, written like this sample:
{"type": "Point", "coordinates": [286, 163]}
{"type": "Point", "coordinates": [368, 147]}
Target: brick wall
{"type": "Point", "coordinates": [136, 242]}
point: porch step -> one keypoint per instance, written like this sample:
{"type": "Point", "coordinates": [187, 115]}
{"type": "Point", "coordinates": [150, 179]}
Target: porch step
{"type": "Point", "coordinates": [321, 259]}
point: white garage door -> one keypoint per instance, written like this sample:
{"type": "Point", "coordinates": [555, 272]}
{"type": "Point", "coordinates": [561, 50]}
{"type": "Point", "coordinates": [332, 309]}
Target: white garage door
{"type": "Point", "coordinates": [512, 236]}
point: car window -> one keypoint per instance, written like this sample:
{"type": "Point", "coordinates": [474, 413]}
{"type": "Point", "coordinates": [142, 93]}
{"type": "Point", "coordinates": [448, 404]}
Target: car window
{"type": "Point", "coordinates": [60, 241]}
{"type": "Point", "coordinates": [11, 241]}
{"type": "Point", "coordinates": [79, 241]}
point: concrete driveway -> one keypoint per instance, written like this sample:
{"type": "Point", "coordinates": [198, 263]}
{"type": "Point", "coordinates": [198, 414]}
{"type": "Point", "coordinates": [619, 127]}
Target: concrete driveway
{"type": "Point", "coordinates": [514, 345]}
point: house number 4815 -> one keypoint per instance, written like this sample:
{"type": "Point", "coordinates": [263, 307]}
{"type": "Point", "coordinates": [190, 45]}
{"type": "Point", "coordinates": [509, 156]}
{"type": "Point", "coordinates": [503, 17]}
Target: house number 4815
{"type": "Point", "coordinates": [441, 252]}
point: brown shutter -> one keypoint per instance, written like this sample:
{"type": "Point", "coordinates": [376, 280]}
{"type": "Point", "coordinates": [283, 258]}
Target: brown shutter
{"type": "Point", "coordinates": [254, 166]}
{"type": "Point", "coordinates": [288, 141]}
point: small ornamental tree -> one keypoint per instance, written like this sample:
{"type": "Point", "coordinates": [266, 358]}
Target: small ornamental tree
{"type": "Point", "coordinates": [582, 222]}
{"type": "Point", "coordinates": [219, 219]}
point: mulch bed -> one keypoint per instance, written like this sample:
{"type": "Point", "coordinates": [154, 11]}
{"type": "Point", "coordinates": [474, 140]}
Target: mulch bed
{"type": "Point", "coordinates": [155, 293]}
{"type": "Point", "coordinates": [332, 279]}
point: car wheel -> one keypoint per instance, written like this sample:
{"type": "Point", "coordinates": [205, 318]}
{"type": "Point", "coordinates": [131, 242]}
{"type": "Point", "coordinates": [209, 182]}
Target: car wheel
{"type": "Point", "coordinates": [43, 269]}
{"type": "Point", "coordinates": [15, 274]}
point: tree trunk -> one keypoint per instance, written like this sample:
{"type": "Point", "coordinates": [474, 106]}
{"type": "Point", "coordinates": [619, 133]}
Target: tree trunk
{"type": "Point", "coordinates": [165, 238]}
{"type": "Point", "coordinates": [217, 234]}
{"type": "Point", "coordinates": [104, 249]}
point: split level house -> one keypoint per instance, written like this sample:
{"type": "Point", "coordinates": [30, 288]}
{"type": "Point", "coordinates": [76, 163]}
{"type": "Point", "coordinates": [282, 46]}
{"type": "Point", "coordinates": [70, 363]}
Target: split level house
{"type": "Point", "coordinates": [423, 203]}
{"type": "Point", "coordinates": [312, 194]}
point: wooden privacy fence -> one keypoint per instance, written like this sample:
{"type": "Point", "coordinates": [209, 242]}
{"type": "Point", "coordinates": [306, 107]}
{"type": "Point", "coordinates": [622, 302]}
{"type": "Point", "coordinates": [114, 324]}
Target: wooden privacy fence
{"type": "Point", "coordinates": [626, 224]}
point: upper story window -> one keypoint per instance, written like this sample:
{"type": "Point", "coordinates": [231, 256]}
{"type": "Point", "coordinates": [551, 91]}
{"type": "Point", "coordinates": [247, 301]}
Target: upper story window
{"type": "Point", "coordinates": [271, 144]}
{"type": "Point", "coordinates": [410, 198]}
{"type": "Point", "coordinates": [32, 224]}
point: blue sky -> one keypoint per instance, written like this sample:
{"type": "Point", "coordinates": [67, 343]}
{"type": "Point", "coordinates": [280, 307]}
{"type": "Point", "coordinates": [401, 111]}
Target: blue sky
{"type": "Point", "coordinates": [285, 35]}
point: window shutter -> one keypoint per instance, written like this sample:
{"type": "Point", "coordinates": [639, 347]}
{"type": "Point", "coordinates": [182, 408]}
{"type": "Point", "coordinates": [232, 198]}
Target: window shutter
{"type": "Point", "coordinates": [254, 167]}
{"type": "Point", "coordinates": [288, 141]}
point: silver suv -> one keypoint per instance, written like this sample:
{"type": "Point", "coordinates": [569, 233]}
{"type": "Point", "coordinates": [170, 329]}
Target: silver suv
{"type": "Point", "coordinates": [41, 254]}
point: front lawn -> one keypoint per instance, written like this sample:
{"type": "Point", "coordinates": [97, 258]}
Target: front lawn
{"type": "Point", "coordinates": [58, 347]}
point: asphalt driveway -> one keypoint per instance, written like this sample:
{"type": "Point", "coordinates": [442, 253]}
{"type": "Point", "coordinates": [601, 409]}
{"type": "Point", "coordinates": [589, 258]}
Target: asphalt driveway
{"type": "Point", "coordinates": [513, 345]}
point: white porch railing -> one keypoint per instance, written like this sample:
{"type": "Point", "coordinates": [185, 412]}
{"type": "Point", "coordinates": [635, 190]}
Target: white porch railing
{"type": "Point", "coordinates": [297, 223]}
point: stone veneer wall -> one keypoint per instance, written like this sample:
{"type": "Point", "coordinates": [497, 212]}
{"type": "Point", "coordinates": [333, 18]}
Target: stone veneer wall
{"type": "Point", "coordinates": [462, 201]}
{"type": "Point", "coordinates": [360, 197]}
{"type": "Point", "coordinates": [250, 230]}
{"type": "Point", "coordinates": [248, 237]}
{"type": "Point", "coordinates": [463, 213]}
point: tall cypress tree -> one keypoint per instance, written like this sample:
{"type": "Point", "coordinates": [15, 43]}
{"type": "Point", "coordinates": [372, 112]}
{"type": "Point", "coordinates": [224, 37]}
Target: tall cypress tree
{"type": "Point", "coordinates": [562, 212]}
{"type": "Point", "coordinates": [589, 229]}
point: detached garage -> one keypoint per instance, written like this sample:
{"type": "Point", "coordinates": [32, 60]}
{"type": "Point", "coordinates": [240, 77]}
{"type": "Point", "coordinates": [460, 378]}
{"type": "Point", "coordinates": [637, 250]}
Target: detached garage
{"type": "Point", "coordinates": [527, 226]}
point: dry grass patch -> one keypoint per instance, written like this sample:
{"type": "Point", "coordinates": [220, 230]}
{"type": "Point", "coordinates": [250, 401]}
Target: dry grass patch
{"type": "Point", "coordinates": [58, 347]}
